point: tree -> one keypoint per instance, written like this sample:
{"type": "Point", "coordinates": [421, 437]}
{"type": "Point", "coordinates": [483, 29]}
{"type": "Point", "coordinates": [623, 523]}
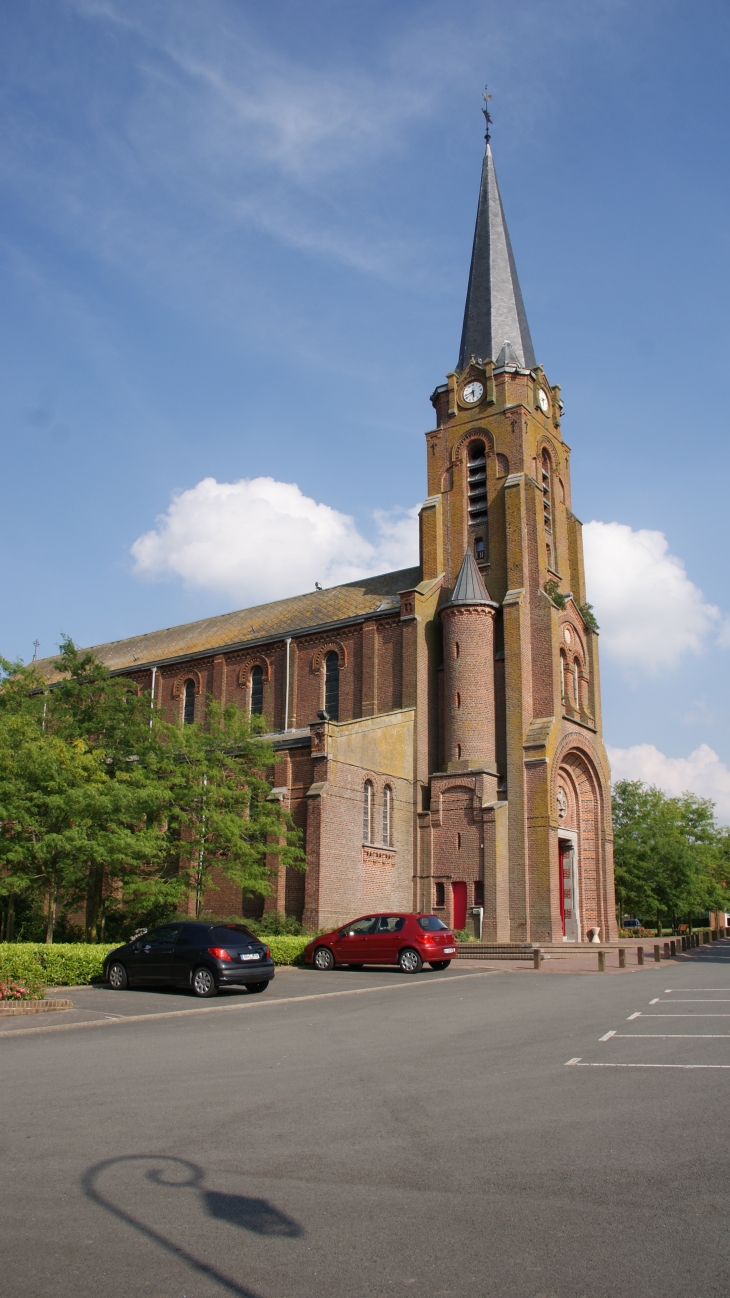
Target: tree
{"type": "Point", "coordinates": [671, 857]}
{"type": "Point", "coordinates": [220, 814]}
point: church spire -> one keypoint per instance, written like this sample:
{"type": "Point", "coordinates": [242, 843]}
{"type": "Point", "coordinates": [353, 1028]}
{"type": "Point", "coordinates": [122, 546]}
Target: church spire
{"type": "Point", "coordinates": [494, 313]}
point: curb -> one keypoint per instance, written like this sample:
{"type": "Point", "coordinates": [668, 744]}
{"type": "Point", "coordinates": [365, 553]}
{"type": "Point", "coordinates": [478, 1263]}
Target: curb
{"type": "Point", "coordinates": [7, 1008]}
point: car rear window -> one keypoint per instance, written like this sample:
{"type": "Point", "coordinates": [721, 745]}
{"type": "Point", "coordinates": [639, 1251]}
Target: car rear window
{"type": "Point", "coordinates": [431, 922]}
{"type": "Point", "coordinates": [231, 935]}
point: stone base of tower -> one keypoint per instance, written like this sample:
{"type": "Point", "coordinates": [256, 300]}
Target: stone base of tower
{"type": "Point", "coordinates": [464, 853]}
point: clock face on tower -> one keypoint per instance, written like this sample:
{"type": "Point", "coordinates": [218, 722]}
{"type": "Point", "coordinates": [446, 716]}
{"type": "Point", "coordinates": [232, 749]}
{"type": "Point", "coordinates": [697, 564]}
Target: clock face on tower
{"type": "Point", "coordinates": [472, 392]}
{"type": "Point", "coordinates": [543, 401]}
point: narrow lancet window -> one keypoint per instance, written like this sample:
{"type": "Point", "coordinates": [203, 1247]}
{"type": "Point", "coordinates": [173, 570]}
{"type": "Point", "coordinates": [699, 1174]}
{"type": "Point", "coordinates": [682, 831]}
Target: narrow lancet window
{"type": "Point", "coordinates": [387, 816]}
{"type": "Point", "coordinates": [257, 691]}
{"type": "Point", "coordinates": [332, 685]}
{"type": "Point", "coordinates": [367, 812]}
{"type": "Point", "coordinates": [547, 503]}
{"type": "Point", "coordinates": [189, 708]}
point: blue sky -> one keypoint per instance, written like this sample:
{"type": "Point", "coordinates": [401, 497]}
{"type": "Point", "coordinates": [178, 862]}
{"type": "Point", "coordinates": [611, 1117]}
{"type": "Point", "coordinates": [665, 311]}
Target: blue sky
{"type": "Point", "coordinates": [234, 243]}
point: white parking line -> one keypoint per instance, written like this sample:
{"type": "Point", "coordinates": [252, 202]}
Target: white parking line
{"type": "Point", "coordinates": [655, 1000]}
{"type": "Point", "coordinates": [608, 1035]}
{"type": "Point", "coordinates": [665, 1036]}
{"type": "Point", "coordinates": [700, 1000]}
{"type": "Point", "coordinates": [635, 1015]}
{"type": "Point", "coordinates": [580, 1064]}
{"type": "Point", "coordinates": [669, 990]}
{"type": "Point", "coordinates": [639, 1015]}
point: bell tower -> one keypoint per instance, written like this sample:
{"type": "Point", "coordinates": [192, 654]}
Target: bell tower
{"type": "Point", "coordinates": [523, 785]}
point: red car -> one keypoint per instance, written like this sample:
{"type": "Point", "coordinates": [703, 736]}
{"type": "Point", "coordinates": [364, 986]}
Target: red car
{"type": "Point", "coordinates": [405, 940]}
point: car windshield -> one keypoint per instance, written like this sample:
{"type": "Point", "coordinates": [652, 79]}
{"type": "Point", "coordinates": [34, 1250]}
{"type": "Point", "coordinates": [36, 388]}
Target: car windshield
{"type": "Point", "coordinates": [231, 935]}
{"type": "Point", "coordinates": [431, 922]}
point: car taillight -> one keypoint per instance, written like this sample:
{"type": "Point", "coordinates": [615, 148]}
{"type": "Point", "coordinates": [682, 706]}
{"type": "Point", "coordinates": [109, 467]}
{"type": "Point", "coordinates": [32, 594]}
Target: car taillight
{"type": "Point", "coordinates": [219, 952]}
{"type": "Point", "coordinates": [267, 953]}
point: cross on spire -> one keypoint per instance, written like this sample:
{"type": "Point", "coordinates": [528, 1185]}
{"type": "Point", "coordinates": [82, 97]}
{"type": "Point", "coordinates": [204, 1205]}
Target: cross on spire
{"type": "Point", "coordinates": [487, 117]}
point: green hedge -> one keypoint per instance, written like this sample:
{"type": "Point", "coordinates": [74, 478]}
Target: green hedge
{"type": "Point", "coordinates": [66, 964]}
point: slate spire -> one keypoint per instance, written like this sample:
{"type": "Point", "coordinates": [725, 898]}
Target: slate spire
{"type": "Point", "coordinates": [469, 587]}
{"type": "Point", "coordinates": [494, 313]}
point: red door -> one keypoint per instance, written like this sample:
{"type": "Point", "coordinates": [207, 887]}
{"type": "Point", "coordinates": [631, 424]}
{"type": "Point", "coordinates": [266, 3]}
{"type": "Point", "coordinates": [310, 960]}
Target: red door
{"type": "Point", "coordinates": [459, 892]}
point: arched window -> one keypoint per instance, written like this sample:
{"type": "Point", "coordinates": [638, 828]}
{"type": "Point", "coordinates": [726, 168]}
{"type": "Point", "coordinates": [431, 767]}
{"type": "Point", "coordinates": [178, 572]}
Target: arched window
{"type": "Point", "coordinates": [332, 685]}
{"type": "Point", "coordinates": [257, 691]}
{"type": "Point", "coordinates": [189, 706]}
{"type": "Point", "coordinates": [367, 812]}
{"type": "Point", "coordinates": [547, 494]}
{"type": "Point", "coordinates": [562, 676]}
{"type": "Point", "coordinates": [387, 816]}
{"type": "Point", "coordinates": [576, 683]}
{"type": "Point", "coordinates": [477, 482]}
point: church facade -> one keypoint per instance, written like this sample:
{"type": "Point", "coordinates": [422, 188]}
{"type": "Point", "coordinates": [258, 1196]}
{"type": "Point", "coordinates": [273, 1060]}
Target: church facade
{"type": "Point", "coordinates": [437, 731]}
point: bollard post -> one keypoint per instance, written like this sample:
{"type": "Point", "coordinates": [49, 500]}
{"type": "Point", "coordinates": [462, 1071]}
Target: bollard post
{"type": "Point", "coordinates": [622, 957]}
{"type": "Point", "coordinates": [601, 961]}
{"type": "Point", "coordinates": [673, 948]}
{"type": "Point", "coordinates": [666, 950]}
{"type": "Point", "coordinates": [684, 944]}
{"type": "Point", "coordinates": [537, 958]}
{"type": "Point", "coordinates": [705, 937]}
{"type": "Point", "coordinates": [713, 934]}
{"type": "Point", "coordinates": [639, 955]}
{"type": "Point", "coordinates": [657, 954]}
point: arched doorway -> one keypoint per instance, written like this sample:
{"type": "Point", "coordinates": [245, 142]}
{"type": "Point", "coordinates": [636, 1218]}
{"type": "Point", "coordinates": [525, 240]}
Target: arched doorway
{"type": "Point", "coordinates": [579, 849]}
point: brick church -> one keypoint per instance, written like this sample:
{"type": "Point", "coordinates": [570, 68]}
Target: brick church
{"type": "Point", "coordinates": [437, 730]}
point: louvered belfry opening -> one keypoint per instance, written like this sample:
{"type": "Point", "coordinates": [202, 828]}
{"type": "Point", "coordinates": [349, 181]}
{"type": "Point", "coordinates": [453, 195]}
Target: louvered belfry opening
{"type": "Point", "coordinates": [477, 482]}
{"type": "Point", "coordinates": [332, 685]}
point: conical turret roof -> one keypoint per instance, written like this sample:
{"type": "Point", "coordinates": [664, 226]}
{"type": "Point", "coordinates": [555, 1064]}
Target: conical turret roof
{"type": "Point", "coordinates": [494, 313]}
{"type": "Point", "coordinates": [469, 587]}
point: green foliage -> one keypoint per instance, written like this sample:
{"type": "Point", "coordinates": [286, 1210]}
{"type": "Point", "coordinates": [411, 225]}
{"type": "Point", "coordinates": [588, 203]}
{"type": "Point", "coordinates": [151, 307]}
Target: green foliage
{"type": "Point", "coordinates": [589, 617]}
{"type": "Point", "coordinates": [671, 857]}
{"type": "Point", "coordinates": [287, 950]}
{"type": "Point", "coordinates": [552, 590]}
{"type": "Point", "coordinates": [72, 964]}
{"type": "Point", "coordinates": [107, 809]}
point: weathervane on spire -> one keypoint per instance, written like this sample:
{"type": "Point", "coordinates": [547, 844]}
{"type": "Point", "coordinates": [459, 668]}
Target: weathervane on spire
{"type": "Point", "coordinates": [487, 117]}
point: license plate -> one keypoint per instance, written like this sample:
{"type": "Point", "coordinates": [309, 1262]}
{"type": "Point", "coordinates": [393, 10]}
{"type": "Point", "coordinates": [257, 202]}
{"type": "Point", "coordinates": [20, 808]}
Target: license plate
{"type": "Point", "coordinates": [449, 950]}
{"type": "Point", "coordinates": [250, 957]}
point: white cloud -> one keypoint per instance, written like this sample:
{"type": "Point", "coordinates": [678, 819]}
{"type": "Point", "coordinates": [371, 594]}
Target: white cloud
{"type": "Point", "coordinates": [702, 772]}
{"type": "Point", "coordinates": [257, 540]}
{"type": "Point", "coordinates": [649, 611]}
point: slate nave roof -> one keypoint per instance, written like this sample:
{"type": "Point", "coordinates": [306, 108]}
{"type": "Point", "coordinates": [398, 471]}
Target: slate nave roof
{"type": "Point", "coordinates": [250, 626]}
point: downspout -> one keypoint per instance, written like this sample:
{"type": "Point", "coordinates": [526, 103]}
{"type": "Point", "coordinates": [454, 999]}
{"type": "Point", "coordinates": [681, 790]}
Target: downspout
{"type": "Point", "coordinates": [152, 699]}
{"type": "Point", "coordinates": [286, 695]}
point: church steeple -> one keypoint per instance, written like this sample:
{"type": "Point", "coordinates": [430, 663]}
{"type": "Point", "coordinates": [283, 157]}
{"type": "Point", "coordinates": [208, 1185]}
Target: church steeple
{"type": "Point", "coordinates": [494, 313]}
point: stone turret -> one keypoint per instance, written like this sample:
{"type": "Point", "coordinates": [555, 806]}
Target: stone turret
{"type": "Point", "coordinates": [468, 630]}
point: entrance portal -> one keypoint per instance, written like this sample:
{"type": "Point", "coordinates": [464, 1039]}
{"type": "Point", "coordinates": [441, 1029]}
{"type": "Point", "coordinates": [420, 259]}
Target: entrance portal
{"type": "Point", "coordinates": [459, 897]}
{"type": "Point", "coordinates": [569, 908]}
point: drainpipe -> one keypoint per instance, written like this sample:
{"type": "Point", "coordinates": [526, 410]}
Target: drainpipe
{"type": "Point", "coordinates": [152, 700]}
{"type": "Point", "coordinates": [286, 696]}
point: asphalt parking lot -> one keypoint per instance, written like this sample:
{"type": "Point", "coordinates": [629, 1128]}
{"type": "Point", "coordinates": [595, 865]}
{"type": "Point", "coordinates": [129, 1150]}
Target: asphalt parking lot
{"type": "Point", "coordinates": [470, 1132]}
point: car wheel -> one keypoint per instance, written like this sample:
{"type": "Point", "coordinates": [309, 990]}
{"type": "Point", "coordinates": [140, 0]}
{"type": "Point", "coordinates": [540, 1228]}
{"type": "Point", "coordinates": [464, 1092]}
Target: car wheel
{"type": "Point", "coordinates": [256, 987]}
{"type": "Point", "coordinates": [204, 982]}
{"type": "Point", "coordinates": [410, 961]}
{"type": "Point", "coordinates": [117, 977]}
{"type": "Point", "coordinates": [323, 959]}
{"type": "Point", "coordinates": [355, 966]}
{"type": "Point", "coordinates": [439, 964]}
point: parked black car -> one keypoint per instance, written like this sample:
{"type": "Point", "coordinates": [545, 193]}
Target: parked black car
{"type": "Point", "coordinates": [202, 957]}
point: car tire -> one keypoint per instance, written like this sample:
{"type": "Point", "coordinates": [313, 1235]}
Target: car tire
{"type": "Point", "coordinates": [203, 983]}
{"type": "Point", "coordinates": [116, 977]}
{"type": "Point", "coordinates": [356, 966]}
{"type": "Point", "coordinates": [439, 964]}
{"type": "Point", "coordinates": [256, 987]}
{"type": "Point", "coordinates": [409, 961]}
{"type": "Point", "coordinates": [323, 959]}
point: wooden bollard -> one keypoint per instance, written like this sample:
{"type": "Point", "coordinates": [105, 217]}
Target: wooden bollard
{"type": "Point", "coordinates": [684, 943]}
{"type": "Point", "coordinates": [673, 948]}
{"type": "Point", "coordinates": [639, 955]}
{"type": "Point", "coordinates": [714, 934]}
{"type": "Point", "coordinates": [601, 961]}
{"type": "Point", "coordinates": [666, 950]}
{"type": "Point", "coordinates": [537, 958]}
{"type": "Point", "coordinates": [657, 954]}
{"type": "Point", "coordinates": [622, 957]}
